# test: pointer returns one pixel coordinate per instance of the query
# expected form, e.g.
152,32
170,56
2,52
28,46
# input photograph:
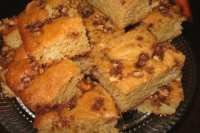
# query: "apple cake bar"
132,67
124,12
54,86
52,30
165,101
165,22
94,111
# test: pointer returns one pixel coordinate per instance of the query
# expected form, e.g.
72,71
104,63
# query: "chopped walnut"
161,96
61,11
103,23
72,103
98,104
138,74
164,91
35,27
116,70
66,121
159,50
164,7
86,11
142,60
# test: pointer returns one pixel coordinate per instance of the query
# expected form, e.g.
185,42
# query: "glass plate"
15,117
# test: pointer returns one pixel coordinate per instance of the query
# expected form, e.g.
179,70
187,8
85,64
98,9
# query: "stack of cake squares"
79,64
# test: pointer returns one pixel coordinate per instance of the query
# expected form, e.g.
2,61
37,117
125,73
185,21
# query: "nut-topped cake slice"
99,26
165,22
93,111
52,30
124,12
20,71
132,67
54,86
165,101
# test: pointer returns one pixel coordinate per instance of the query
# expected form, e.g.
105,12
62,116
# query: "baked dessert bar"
165,101
165,22
124,12
93,112
132,67
54,86
20,71
47,36
98,25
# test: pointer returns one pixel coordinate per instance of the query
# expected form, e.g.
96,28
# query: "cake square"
165,22
54,86
94,111
98,25
53,32
165,101
132,67
20,71
123,12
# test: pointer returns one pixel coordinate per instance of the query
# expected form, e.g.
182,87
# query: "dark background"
191,121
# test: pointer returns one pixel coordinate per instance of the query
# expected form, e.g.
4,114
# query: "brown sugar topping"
142,60
98,104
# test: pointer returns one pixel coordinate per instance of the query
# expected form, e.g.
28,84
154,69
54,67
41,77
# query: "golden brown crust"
19,69
53,31
93,106
47,87
133,63
50,34
123,12
165,101
165,23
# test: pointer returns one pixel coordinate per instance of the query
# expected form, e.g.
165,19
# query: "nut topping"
116,69
98,104
143,58
138,74
159,51
86,11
